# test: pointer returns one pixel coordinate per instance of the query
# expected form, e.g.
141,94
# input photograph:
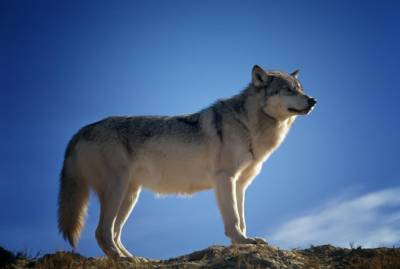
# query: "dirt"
243,256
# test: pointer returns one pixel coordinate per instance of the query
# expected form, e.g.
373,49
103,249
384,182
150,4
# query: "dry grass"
244,256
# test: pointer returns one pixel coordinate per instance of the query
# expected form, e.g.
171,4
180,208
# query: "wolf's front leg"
226,197
240,196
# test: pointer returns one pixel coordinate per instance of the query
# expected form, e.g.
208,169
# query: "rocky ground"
244,256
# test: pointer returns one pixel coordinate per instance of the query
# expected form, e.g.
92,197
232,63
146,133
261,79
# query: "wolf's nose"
311,102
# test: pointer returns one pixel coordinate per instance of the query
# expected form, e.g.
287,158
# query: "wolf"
221,147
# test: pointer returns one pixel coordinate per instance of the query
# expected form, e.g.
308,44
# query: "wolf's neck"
269,134
265,132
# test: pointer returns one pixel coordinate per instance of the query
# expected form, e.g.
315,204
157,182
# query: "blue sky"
64,65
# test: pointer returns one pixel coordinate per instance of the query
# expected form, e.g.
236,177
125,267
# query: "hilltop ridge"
241,256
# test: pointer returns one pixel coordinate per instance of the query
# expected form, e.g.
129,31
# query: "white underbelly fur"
182,169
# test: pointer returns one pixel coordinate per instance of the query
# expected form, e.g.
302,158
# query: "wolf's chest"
270,139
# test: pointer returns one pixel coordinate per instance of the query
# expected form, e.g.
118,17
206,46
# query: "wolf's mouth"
300,111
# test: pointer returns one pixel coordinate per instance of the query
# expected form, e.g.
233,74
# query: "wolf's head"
282,94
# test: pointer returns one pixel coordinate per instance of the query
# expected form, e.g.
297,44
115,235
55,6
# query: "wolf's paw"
260,241
251,240
135,259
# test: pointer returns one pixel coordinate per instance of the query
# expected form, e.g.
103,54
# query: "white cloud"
370,220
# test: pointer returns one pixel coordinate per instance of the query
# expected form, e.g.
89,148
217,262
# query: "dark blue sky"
64,65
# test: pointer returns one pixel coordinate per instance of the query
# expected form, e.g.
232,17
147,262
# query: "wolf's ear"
259,76
295,73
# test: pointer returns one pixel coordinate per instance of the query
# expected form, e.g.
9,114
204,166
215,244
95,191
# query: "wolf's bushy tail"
72,204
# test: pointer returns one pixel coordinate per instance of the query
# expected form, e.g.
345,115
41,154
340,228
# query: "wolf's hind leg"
125,210
110,201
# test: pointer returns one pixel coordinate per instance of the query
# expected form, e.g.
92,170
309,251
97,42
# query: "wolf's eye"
288,91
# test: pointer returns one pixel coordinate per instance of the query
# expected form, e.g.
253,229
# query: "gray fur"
222,146
132,131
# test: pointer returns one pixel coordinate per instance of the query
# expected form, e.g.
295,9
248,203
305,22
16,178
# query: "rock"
236,256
